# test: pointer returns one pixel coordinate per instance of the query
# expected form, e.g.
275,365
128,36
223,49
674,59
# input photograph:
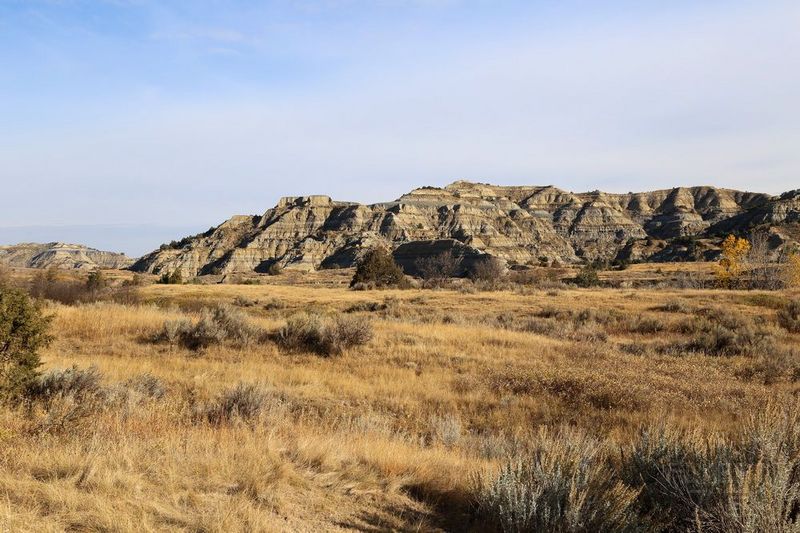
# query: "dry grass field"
396,433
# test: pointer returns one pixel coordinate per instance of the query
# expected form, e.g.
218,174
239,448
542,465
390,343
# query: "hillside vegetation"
319,408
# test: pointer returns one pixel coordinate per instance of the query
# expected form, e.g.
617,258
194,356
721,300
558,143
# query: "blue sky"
159,117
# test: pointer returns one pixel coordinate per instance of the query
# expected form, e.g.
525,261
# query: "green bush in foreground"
23,331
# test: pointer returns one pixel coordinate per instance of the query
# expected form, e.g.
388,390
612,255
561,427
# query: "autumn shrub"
718,332
244,301
446,430
731,266
70,399
377,269
719,340
79,384
23,331
49,285
147,385
274,304
323,335
216,326
673,306
368,307
64,288
244,402
773,366
438,268
541,278
789,316
487,269
791,272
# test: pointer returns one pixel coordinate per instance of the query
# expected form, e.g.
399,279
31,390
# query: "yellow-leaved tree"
792,271
731,265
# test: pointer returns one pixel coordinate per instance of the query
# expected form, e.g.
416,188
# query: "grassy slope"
386,436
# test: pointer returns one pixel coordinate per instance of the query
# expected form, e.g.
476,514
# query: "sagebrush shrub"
147,385
80,384
322,335
789,316
564,485
446,429
673,306
749,483
222,324
719,333
678,475
245,401
70,398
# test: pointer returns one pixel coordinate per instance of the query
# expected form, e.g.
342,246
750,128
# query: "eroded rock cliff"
519,224
60,255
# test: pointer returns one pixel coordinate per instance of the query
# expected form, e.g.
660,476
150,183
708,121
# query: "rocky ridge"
60,255
519,224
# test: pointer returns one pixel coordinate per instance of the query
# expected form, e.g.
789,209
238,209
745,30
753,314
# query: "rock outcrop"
60,255
520,224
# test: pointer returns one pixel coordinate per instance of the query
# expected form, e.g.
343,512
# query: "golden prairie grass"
389,435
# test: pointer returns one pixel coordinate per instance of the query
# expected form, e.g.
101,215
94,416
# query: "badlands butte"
518,224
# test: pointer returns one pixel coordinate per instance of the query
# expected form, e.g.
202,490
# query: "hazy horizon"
151,115
137,239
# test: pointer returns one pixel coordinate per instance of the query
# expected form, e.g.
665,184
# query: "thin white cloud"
707,97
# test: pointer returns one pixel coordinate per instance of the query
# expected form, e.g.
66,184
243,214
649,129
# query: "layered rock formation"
60,255
519,224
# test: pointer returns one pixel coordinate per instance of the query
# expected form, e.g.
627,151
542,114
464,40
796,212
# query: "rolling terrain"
140,432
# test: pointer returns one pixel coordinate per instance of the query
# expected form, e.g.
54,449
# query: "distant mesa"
518,224
60,255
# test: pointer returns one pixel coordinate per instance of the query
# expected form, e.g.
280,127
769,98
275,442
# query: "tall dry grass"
392,433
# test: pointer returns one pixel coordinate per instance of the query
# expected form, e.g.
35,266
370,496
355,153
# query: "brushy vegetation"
377,269
243,402
789,316
23,332
587,277
438,268
516,410
719,333
564,484
488,269
69,382
62,287
323,335
667,480
222,324
171,278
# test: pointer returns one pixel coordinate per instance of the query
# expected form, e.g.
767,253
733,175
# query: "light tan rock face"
60,255
519,224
